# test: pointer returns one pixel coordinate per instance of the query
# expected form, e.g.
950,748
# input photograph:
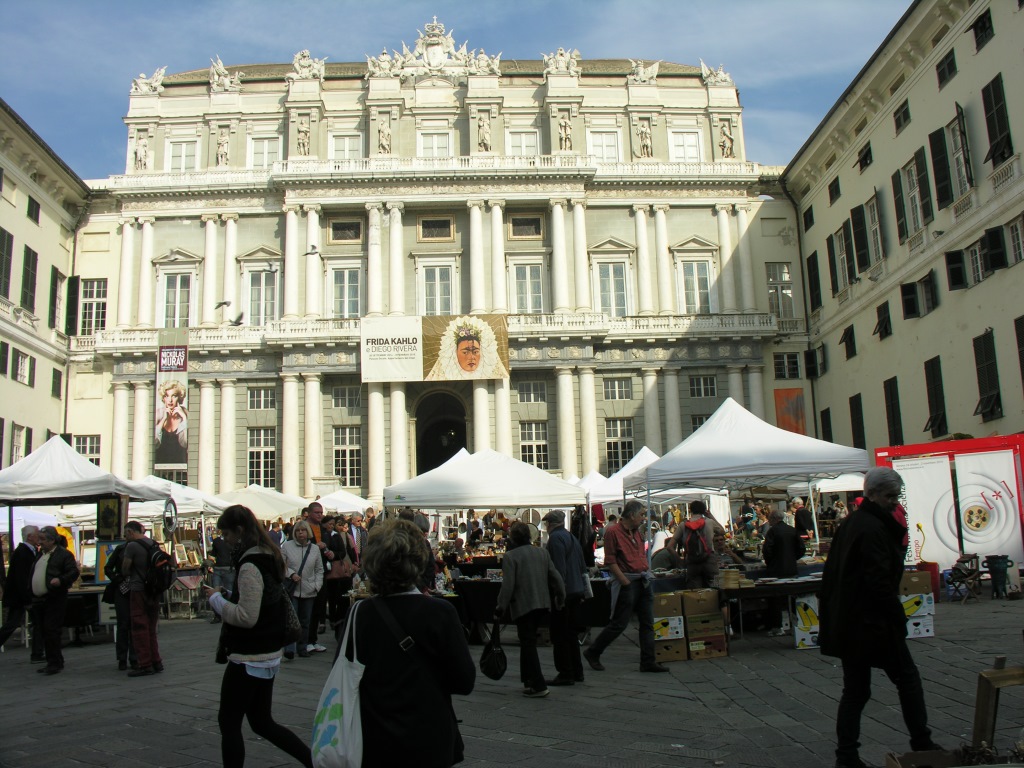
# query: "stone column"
209,292
588,422
502,416
559,268
124,280
375,441
499,287
228,438
666,303
396,268
673,419
207,439
291,264
314,264
746,259
755,386
289,441
399,453
119,430
142,433
643,262
725,277
580,259
652,411
374,266
230,286
313,423
477,297
566,423
481,416
736,383
147,280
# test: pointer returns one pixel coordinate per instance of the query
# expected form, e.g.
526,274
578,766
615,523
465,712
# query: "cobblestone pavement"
765,705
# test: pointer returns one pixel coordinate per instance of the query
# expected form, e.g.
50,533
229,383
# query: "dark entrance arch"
440,430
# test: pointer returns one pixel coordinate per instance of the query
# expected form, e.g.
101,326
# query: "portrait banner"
391,349
170,432
466,347
989,504
789,410
927,496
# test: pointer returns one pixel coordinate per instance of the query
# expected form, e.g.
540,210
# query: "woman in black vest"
252,638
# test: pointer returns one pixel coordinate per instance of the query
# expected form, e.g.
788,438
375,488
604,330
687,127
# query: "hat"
556,516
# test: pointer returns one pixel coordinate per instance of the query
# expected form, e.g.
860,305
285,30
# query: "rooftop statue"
154,84
306,68
714,77
434,54
562,61
221,80
638,73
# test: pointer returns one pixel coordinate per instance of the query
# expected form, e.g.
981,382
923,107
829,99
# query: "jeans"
857,691
48,620
529,662
304,609
145,614
242,695
123,646
636,598
565,625
224,577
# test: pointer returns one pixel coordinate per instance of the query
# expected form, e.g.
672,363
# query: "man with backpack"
694,540
136,567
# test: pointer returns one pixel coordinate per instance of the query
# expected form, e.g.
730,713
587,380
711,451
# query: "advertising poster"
391,349
170,433
989,504
931,510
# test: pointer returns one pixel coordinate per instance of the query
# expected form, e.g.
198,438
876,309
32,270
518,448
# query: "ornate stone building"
606,207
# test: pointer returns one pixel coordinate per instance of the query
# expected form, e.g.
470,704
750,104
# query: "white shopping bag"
337,727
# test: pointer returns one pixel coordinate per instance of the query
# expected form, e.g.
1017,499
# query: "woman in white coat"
304,577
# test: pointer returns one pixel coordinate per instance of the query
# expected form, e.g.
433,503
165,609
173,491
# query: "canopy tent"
191,503
486,479
589,481
265,503
852,481
612,489
343,501
24,516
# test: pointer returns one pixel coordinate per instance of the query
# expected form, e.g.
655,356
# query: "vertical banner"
170,433
789,410
989,504
931,509
391,348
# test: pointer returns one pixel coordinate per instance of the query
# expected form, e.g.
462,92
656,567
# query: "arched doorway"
440,430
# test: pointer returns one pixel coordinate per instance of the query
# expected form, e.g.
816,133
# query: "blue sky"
66,66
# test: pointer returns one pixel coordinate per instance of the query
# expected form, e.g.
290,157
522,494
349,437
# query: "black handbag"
493,662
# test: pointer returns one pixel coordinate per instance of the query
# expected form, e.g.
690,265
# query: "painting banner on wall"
170,433
986,484
789,410
927,497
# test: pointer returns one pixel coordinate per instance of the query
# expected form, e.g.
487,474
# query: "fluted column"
375,441
229,289
289,441
396,267
643,262
313,422
399,453
499,287
566,423
147,280
119,430
477,297
725,277
228,438
481,416
207,439
666,304
142,432
210,265
652,410
588,422
559,268
291,262
125,289
746,259
374,266
673,419
736,383
502,416
314,265
580,261
755,385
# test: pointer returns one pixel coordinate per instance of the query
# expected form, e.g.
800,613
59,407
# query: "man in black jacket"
782,547
53,573
18,590
862,620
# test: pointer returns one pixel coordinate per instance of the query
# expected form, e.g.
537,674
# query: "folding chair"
965,577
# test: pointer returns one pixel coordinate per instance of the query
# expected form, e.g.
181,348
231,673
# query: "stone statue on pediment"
221,80
639,73
306,68
727,142
714,77
434,54
143,85
383,65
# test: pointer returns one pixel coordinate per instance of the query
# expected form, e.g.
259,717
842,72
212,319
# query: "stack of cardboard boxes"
689,625
918,604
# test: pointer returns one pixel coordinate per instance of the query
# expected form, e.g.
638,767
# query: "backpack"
695,547
161,572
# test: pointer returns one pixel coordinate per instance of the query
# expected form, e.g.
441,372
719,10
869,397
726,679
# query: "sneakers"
533,693
594,660
315,648
653,667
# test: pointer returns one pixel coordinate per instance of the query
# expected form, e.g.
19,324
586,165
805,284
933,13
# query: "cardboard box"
920,626
708,647
915,583
708,625
669,628
668,604
805,638
670,650
699,602
939,758
918,605
805,622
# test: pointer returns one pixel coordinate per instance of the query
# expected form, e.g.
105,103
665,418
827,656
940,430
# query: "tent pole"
10,534
814,518
650,536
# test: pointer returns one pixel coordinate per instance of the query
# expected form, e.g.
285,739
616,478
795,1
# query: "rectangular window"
901,117
685,147
179,476
345,292
435,144
864,158
346,230
961,178
265,152
18,451
262,398
29,270
849,340
936,423
696,422
703,386
780,289
6,262
815,362
529,227
833,190
874,230
604,146
956,270
182,156
814,281
808,218
990,404
618,443
893,419
883,326
348,146
696,287
528,280
93,306
262,456
826,425
348,456
843,260
177,299
57,384
618,389
1018,329
611,280
787,365
997,120
33,209
974,264
437,290
983,30
436,229
912,190
532,392
89,447
857,422
262,297
349,397
23,368
57,281
1016,240
522,143
946,68
533,443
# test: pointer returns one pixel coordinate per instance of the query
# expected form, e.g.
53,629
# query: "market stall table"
788,588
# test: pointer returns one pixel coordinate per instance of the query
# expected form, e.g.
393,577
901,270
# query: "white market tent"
191,503
612,490
852,481
345,502
265,503
589,481
24,516
486,479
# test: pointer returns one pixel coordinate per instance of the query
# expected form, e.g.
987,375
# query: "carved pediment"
695,243
612,245
261,253
433,54
178,256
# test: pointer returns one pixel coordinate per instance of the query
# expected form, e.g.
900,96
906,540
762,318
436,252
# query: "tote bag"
493,662
337,727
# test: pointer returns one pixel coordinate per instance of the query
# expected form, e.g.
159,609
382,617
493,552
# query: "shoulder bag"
338,727
492,661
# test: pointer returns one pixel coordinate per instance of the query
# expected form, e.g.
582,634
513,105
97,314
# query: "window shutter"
813,281
997,121
833,274
993,250
811,363
31,371
940,168
901,212
860,237
956,271
5,356
851,267
28,440
911,305
931,288
71,315
961,125
923,190
52,318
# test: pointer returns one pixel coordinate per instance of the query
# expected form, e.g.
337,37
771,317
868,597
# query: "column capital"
558,202
207,383
745,207
312,375
496,203
731,369
147,220
755,366
649,371
290,208
289,376
137,385
578,202
227,381
475,204
374,206
661,207
394,205
563,370
641,209
229,216
122,386
312,208
721,208
127,222
208,218
582,369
